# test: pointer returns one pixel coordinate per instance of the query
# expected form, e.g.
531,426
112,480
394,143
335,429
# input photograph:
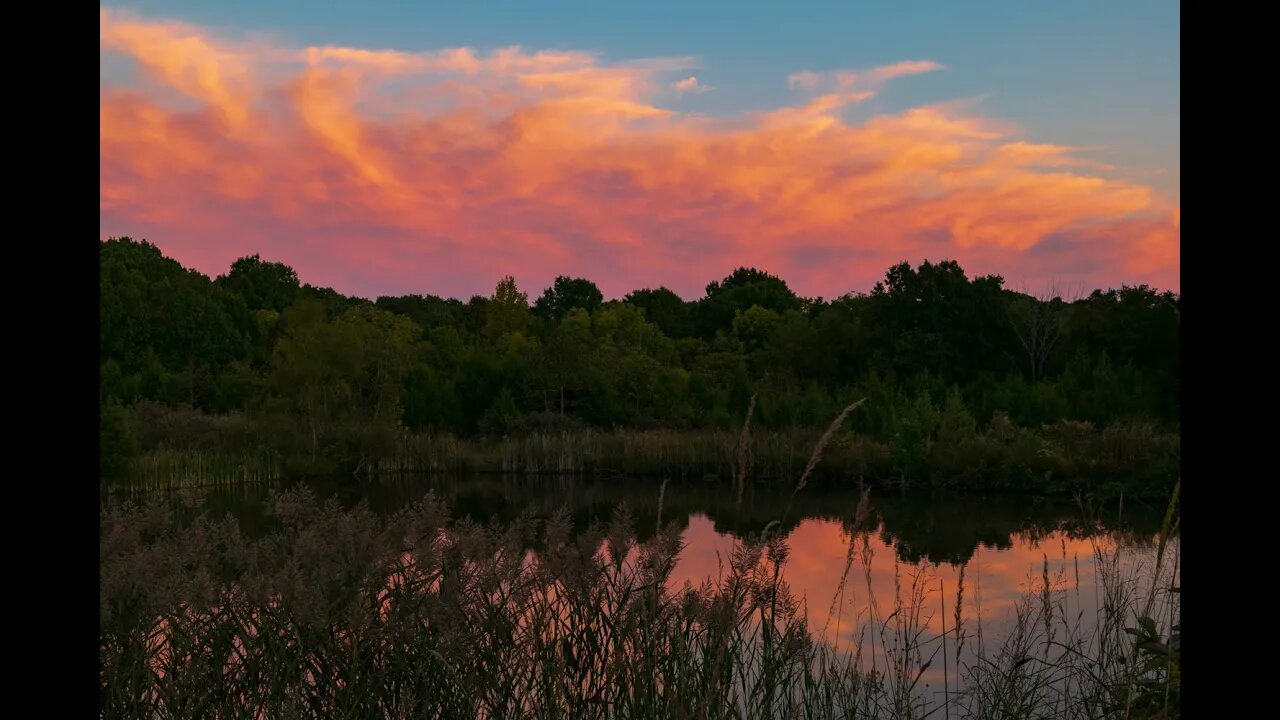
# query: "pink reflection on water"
849,587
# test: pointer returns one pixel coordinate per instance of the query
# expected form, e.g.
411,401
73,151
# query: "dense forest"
965,380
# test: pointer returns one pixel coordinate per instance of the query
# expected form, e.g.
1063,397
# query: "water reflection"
916,528
850,584
892,576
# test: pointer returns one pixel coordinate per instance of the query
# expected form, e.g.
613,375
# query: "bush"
116,442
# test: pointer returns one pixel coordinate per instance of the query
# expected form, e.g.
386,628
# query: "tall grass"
334,617
688,454
341,613
166,468
337,613
1002,458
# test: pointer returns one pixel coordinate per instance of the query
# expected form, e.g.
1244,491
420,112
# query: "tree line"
334,375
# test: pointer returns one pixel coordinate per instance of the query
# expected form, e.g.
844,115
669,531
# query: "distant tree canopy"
262,285
665,309
745,288
926,341
566,294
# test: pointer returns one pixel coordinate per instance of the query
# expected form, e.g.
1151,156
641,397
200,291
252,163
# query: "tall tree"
933,318
1038,323
561,370
507,310
165,330
738,292
263,285
345,374
665,309
565,294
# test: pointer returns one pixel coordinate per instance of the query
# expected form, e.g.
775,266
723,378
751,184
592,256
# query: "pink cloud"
473,165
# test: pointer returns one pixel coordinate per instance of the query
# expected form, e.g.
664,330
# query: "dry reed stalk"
662,492
860,515
744,452
958,625
822,443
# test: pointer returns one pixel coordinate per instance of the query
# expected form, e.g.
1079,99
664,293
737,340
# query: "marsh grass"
167,468
742,455
332,616
1003,457
338,613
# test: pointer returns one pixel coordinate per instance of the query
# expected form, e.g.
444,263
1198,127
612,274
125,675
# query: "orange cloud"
380,171
184,60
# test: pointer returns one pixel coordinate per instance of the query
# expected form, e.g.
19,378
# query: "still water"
960,566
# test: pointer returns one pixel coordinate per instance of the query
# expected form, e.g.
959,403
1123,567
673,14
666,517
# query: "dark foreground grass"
342,614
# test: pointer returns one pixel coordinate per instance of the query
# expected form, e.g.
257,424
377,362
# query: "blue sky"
384,147
1085,73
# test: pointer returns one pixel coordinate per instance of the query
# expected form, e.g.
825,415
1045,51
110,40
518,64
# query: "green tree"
344,378
664,308
566,294
738,292
508,310
167,330
336,377
429,312
116,443
561,371
935,318
753,326
263,285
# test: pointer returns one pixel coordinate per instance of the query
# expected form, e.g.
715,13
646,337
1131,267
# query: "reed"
340,613
170,468
1054,459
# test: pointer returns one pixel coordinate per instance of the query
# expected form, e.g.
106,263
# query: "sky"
385,148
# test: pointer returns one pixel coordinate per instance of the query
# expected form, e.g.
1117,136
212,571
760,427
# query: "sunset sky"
389,148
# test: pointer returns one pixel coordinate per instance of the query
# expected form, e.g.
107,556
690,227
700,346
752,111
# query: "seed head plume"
822,443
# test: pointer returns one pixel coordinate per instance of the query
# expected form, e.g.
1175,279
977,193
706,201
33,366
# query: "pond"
922,585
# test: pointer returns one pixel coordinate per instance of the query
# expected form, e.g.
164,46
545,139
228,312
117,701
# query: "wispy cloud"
393,171
689,85
870,80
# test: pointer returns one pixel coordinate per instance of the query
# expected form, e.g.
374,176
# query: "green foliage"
938,318
1157,672
567,294
754,326
560,374
738,292
429,312
165,331
665,309
263,285
116,444
940,357
343,380
508,309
